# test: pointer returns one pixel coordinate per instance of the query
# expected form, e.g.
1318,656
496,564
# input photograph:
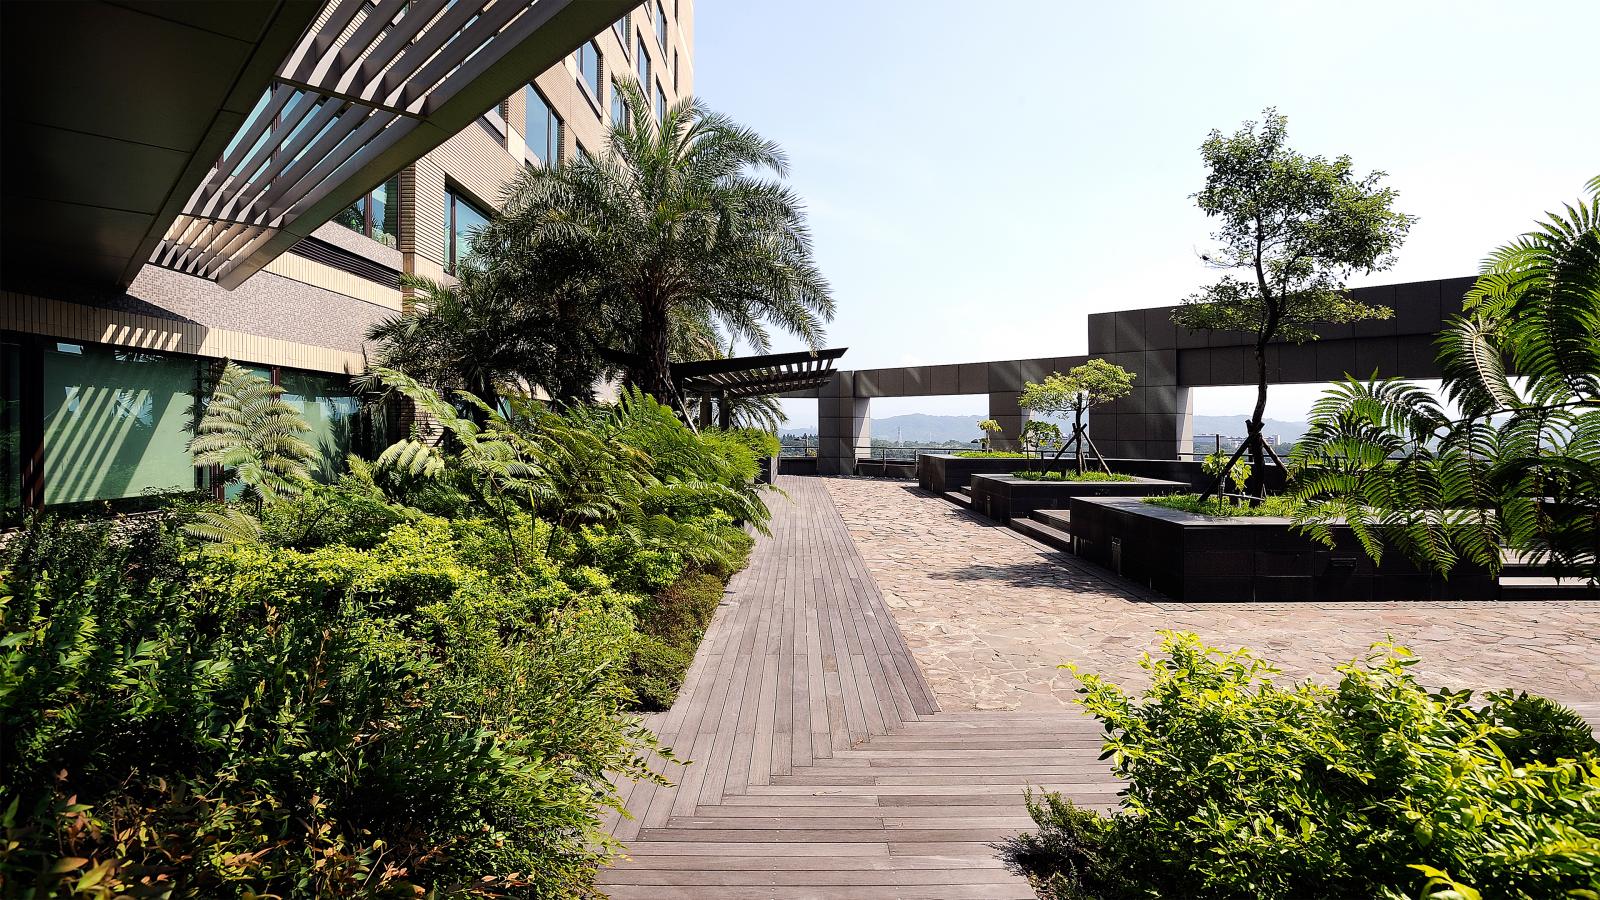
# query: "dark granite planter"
943,472
1006,497
1198,559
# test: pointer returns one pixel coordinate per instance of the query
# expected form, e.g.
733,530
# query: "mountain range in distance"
919,428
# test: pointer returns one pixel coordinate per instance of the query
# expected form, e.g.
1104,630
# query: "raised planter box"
942,472
1006,497
1196,559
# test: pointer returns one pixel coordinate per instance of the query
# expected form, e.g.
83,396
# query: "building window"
589,68
544,128
377,215
676,88
462,219
661,104
583,152
328,406
117,423
621,28
643,64
661,23
619,109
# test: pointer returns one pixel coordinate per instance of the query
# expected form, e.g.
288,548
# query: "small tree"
1298,227
1084,387
1040,435
989,427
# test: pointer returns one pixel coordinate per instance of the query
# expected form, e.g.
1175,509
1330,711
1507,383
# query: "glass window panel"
467,219
353,217
330,409
619,110
589,67
644,68
116,423
385,209
661,23
544,128
661,104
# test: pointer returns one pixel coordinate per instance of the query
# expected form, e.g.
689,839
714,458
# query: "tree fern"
254,436
1518,467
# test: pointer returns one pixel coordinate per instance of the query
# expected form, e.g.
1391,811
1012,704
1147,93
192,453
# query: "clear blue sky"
980,176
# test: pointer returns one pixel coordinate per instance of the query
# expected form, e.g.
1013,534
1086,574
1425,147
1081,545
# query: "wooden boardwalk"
821,766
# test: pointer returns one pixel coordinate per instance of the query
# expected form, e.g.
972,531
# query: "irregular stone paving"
990,615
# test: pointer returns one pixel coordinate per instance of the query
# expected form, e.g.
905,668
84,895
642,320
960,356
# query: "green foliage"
1084,387
1038,434
1298,227
332,722
415,681
1072,476
991,454
989,428
1241,787
1216,461
253,436
1518,465
1284,506
666,242
671,624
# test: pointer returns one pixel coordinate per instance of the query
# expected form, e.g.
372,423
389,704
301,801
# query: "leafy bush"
1238,787
992,454
331,722
1216,462
416,680
671,624
1282,506
1072,476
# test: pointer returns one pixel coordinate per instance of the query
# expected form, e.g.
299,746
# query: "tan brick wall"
79,323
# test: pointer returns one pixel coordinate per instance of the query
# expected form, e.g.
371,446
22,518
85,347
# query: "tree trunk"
1077,433
1257,487
655,378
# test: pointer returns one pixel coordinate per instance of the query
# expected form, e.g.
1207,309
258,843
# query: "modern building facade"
324,173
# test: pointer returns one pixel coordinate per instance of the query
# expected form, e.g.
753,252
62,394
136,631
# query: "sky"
981,176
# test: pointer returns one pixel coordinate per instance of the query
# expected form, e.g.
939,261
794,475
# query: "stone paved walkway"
989,616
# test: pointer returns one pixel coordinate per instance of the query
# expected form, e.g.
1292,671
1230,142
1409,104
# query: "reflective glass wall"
109,423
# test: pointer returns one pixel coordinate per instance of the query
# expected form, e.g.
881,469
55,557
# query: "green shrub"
1282,506
671,624
1071,476
992,454
332,722
1238,787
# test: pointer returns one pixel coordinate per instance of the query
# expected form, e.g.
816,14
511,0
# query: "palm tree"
677,227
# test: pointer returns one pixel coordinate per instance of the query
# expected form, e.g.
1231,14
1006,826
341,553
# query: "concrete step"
1516,587
958,498
1059,519
1048,535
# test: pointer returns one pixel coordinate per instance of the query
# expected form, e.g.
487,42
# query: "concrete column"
1003,408
844,426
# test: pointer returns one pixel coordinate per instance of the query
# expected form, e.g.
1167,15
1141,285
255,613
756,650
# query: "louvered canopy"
746,376
369,88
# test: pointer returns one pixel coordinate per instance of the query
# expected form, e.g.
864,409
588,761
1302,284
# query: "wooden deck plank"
819,762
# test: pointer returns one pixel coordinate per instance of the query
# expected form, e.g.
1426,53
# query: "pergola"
723,380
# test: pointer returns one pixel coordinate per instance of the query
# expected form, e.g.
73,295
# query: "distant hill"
912,428
920,428
1233,426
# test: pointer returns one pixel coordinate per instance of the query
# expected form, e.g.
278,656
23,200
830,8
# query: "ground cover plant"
1240,786
1033,475
992,454
1284,506
412,681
